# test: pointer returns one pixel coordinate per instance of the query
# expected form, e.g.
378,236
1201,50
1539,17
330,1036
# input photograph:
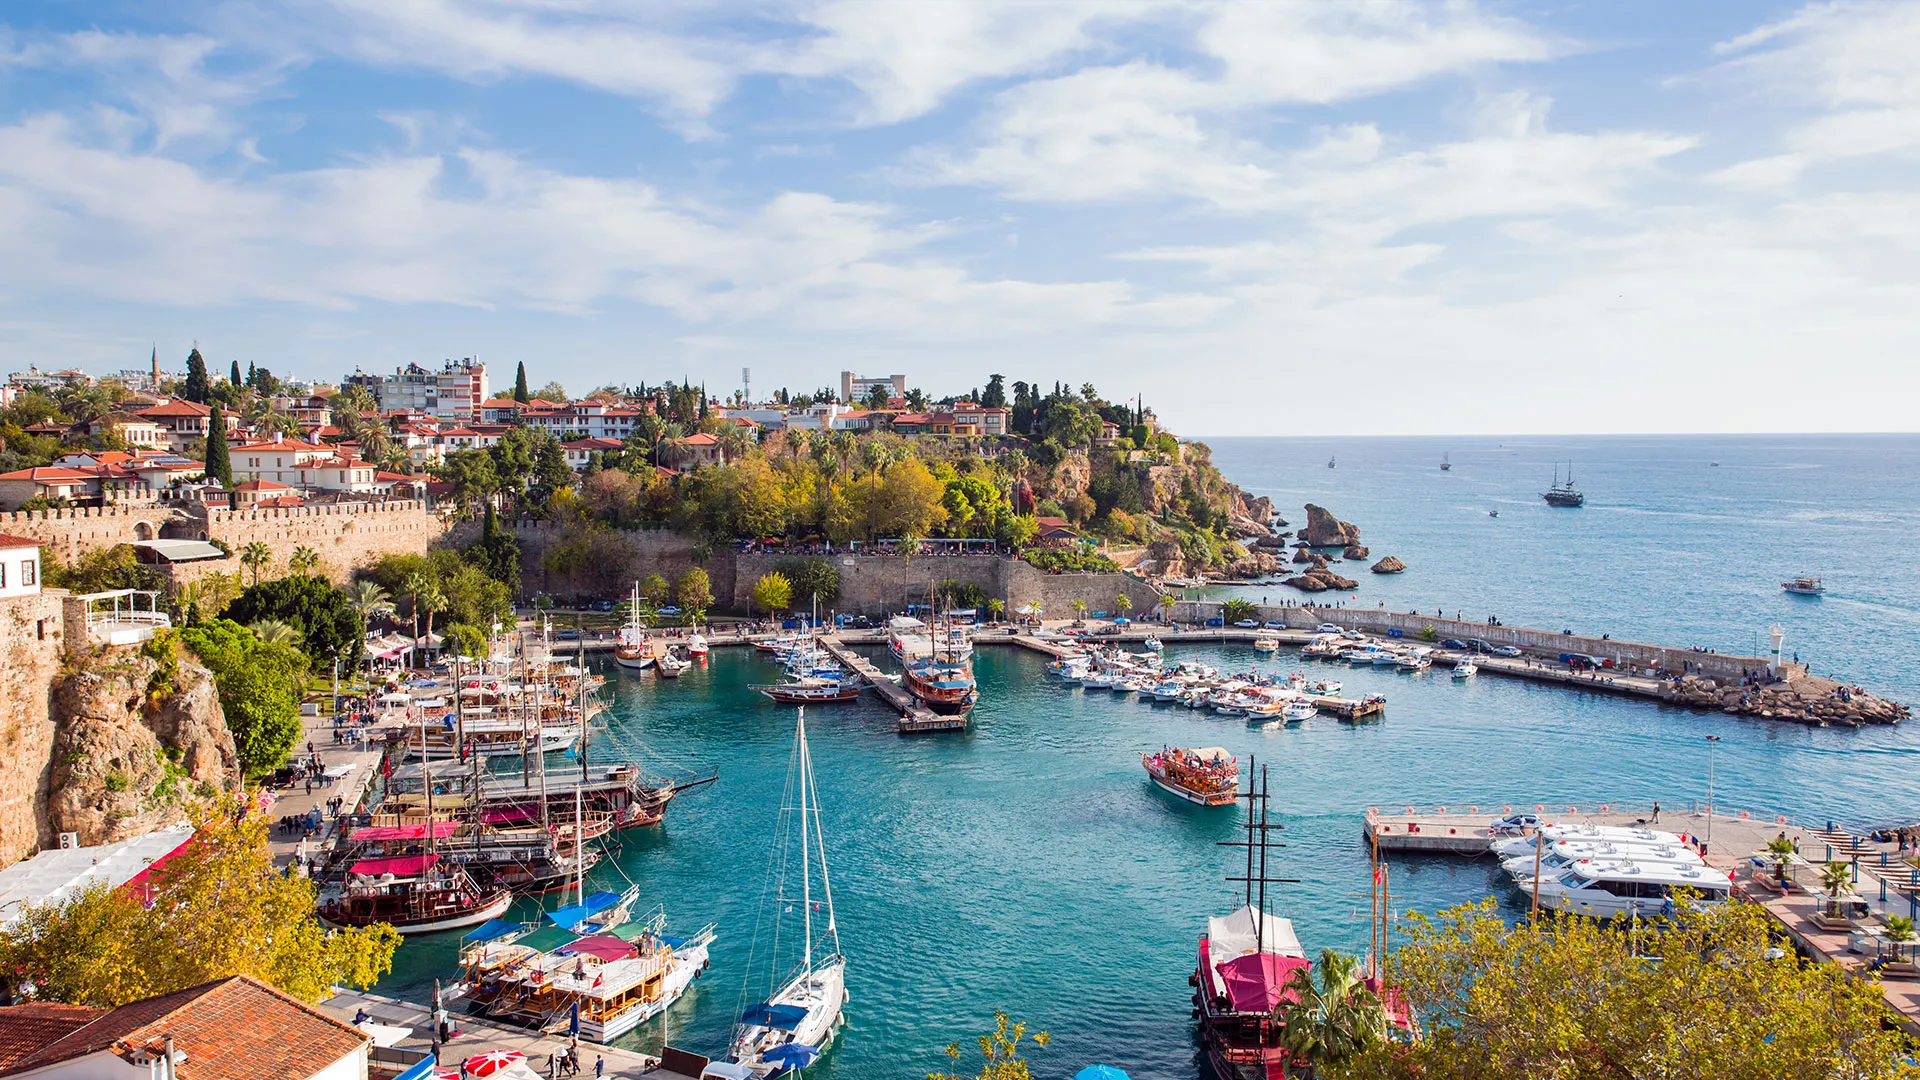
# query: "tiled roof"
26,1028
261,485
9,541
49,473
176,408
283,444
702,439
593,444
231,1029
278,500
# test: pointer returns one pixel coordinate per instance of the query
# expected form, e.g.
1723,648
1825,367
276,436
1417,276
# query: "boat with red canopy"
416,894
1207,777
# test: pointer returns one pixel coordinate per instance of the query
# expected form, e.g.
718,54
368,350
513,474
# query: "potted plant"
1899,931
1781,849
1836,880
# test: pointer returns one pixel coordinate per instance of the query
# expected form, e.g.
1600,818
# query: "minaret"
156,365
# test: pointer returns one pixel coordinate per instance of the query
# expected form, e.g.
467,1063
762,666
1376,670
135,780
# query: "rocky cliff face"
1325,530
134,742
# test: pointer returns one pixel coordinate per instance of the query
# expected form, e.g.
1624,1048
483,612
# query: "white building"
854,388
454,393
19,566
302,465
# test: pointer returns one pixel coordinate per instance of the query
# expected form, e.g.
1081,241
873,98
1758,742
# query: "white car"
1506,650
1326,628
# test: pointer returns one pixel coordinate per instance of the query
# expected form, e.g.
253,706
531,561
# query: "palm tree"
255,557
275,631
995,606
304,560
1334,1021
1123,604
1835,878
413,585
433,600
368,597
1079,610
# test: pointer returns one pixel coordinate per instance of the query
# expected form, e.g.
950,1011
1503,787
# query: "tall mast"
806,873
820,842
579,850
583,698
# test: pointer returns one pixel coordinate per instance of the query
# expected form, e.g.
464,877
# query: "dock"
1466,831
915,718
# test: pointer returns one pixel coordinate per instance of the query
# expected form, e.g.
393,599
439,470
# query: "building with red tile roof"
25,1029
235,1028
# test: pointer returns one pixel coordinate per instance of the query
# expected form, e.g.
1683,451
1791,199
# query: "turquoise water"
1028,865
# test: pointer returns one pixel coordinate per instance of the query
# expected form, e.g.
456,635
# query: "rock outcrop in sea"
1804,699
1321,579
1325,530
1355,552
1388,565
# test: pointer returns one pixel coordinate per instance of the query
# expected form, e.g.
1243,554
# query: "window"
3,575
28,572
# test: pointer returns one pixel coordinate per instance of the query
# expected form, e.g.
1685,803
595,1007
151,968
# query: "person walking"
1656,813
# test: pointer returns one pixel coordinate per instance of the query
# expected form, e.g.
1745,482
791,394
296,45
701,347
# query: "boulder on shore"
1389,565
1303,555
1320,579
1354,552
1325,530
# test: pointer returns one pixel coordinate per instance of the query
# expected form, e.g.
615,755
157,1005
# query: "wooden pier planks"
914,717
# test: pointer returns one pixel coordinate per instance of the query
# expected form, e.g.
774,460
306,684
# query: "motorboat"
1300,710
1804,586
1564,853
1604,889
697,645
1464,670
1418,660
1267,642
669,666
1153,644
1323,688
1509,846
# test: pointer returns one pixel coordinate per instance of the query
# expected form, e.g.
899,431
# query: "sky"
1261,218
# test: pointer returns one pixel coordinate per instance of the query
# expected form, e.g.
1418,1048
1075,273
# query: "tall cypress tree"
520,385
196,387
233,377
253,375
219,464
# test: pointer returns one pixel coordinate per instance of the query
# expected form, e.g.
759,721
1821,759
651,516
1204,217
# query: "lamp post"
1711,741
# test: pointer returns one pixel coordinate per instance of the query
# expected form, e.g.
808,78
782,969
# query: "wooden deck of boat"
914,717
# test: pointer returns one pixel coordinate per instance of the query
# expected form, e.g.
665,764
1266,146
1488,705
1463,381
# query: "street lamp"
1711,741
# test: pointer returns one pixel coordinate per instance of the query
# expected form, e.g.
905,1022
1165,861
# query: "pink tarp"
508,815
1257,982
397,865
603,947
378,833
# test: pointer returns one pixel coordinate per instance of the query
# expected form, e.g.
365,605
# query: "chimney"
276,438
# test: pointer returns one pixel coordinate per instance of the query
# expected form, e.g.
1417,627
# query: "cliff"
135,740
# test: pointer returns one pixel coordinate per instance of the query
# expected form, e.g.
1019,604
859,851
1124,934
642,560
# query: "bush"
810,578
260,684
1072,562
1238,610
328,624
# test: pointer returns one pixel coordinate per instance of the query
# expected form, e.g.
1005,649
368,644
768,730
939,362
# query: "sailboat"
1563,493
1329,462
796,1023
631,646
1445,464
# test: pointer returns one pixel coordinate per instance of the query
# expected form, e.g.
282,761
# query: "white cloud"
166,80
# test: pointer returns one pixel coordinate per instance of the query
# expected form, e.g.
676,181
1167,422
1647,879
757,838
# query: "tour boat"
1804,586
1563,493
1621,887
811,691
1298,711
670,666
414,894
1464,670
908,639
945,686
632,648
1208,777
439,738
1153,644
696,644
1445,464
790,1028
1267,642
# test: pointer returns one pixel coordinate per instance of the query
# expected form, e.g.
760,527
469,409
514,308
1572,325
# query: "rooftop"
53,875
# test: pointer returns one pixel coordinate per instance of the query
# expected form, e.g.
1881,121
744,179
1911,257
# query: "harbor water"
1028,865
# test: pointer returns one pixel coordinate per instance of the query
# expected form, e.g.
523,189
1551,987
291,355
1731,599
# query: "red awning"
377,833
1257,982
603,947
397,865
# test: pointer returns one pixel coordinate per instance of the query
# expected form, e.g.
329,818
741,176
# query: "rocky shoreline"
1804,699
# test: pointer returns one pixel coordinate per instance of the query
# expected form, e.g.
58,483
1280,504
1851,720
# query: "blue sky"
1267,218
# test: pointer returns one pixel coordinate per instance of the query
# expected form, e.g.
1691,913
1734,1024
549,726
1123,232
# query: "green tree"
813,579
773,592
367,597
1237,610
1331,1022
256,556
219,462
260,683
655,592
465,639
233,377
694,593
999,1053
304,560
996,607
520,384
275,632
325,617
196,387
497,552
220,907
472,474
995,395
1577,998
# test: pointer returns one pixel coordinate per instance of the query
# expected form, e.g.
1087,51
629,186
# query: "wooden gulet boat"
632,648
1208,777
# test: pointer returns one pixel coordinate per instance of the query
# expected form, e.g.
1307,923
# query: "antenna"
746,385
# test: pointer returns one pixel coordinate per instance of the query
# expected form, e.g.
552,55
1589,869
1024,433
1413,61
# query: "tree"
233,377
996,607
367,597
260,683
256,556
1237,610
195,389
497,552
1123,603
472,474
553,392
465,639
325,617
813,579
218,908
999,1052
304,560
773,591
520,384
1079,609
877,397
995,395
275,632
695,592
1577,998
655,591
219,462
1334,1021
909,501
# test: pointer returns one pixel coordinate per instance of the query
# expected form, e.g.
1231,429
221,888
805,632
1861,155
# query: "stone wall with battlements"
32,638
875,584
347,535
70,533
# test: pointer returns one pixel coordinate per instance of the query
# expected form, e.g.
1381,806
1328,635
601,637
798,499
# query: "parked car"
1478,645
1452,643
1248,624
604,605
1274,624
1327,628
1353,635
1515,824
1107,631
1507,650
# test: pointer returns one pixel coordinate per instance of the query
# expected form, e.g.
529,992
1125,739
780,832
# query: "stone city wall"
877,584
72,532
1546,643
347,535
32,637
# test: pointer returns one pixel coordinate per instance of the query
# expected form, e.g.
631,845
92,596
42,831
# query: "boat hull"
634,660
1197,798
492,909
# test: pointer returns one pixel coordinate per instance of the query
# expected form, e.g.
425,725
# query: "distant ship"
1563,493
1804,586
1329,463
1445,465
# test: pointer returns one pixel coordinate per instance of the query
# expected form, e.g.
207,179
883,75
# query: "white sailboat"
631,646
793,1025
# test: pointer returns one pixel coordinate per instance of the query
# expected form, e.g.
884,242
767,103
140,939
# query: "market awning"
389,833
397,865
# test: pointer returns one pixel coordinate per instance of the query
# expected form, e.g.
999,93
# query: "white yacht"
1266,642
1507,847
1604,889
1464,670
797,1022
1416,660
1299,710
1567,852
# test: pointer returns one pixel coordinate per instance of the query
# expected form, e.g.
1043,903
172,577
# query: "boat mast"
820,842
583,697
806,875
579,851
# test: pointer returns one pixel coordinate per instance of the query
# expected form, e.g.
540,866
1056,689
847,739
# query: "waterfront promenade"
474,1035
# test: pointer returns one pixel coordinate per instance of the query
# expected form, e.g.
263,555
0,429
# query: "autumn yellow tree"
1704,994
909,505
218,908
773,591
999,1052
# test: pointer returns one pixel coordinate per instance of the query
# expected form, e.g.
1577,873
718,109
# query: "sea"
1027,866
